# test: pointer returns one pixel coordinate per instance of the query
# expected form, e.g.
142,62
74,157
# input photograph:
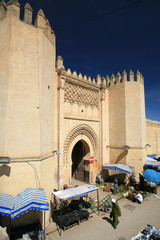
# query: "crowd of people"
138,198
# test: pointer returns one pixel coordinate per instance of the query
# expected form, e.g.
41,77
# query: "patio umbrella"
151,176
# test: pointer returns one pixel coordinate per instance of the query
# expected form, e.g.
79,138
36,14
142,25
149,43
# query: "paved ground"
134,218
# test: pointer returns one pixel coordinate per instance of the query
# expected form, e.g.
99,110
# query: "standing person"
141,179
127,181
116,211
133,178
99,178
115,185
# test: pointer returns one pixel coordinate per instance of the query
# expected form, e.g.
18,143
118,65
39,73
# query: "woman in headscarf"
116,212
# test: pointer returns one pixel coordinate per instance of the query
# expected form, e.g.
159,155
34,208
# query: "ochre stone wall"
153,137
4,75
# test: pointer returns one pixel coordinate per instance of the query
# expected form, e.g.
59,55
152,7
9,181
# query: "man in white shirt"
138,198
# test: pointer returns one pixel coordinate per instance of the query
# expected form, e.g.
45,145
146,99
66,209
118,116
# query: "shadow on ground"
108,220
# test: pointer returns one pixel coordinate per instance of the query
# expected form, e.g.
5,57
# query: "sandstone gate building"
45,108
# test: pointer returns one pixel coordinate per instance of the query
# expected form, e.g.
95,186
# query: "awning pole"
61,219
44,226
98,201
9,230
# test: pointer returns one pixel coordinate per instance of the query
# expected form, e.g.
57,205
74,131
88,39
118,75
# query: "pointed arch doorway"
87,136
80,163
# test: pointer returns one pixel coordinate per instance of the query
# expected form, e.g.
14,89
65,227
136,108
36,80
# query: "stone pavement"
134,218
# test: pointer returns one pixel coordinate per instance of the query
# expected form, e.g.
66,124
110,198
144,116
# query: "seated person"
99,178
138,198
153,187
83,204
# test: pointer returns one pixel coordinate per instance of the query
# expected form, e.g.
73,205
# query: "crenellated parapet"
137,77
13,8
102,82
78,76
152,123
98,81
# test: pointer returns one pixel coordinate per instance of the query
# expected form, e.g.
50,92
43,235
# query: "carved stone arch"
82,129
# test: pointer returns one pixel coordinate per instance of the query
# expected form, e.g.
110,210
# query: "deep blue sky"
129,39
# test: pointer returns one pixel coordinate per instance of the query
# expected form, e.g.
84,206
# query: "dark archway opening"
78,162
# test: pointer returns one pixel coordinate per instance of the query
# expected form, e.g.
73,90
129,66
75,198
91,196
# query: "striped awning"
6,204
153,164
119,167
32,198
74,192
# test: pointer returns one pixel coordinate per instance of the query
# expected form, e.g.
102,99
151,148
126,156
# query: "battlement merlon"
42,22
12,8
27,14
3,9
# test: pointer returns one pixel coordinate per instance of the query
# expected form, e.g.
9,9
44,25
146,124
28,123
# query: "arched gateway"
79,146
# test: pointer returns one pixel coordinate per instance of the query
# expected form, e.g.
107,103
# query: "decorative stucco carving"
80,95
62,80
82,129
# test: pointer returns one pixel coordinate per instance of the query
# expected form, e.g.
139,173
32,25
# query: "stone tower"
27,80
127,120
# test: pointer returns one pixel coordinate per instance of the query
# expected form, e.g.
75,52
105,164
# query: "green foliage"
105,183
121,189
93,205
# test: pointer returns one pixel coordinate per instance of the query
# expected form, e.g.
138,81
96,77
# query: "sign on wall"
91,159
